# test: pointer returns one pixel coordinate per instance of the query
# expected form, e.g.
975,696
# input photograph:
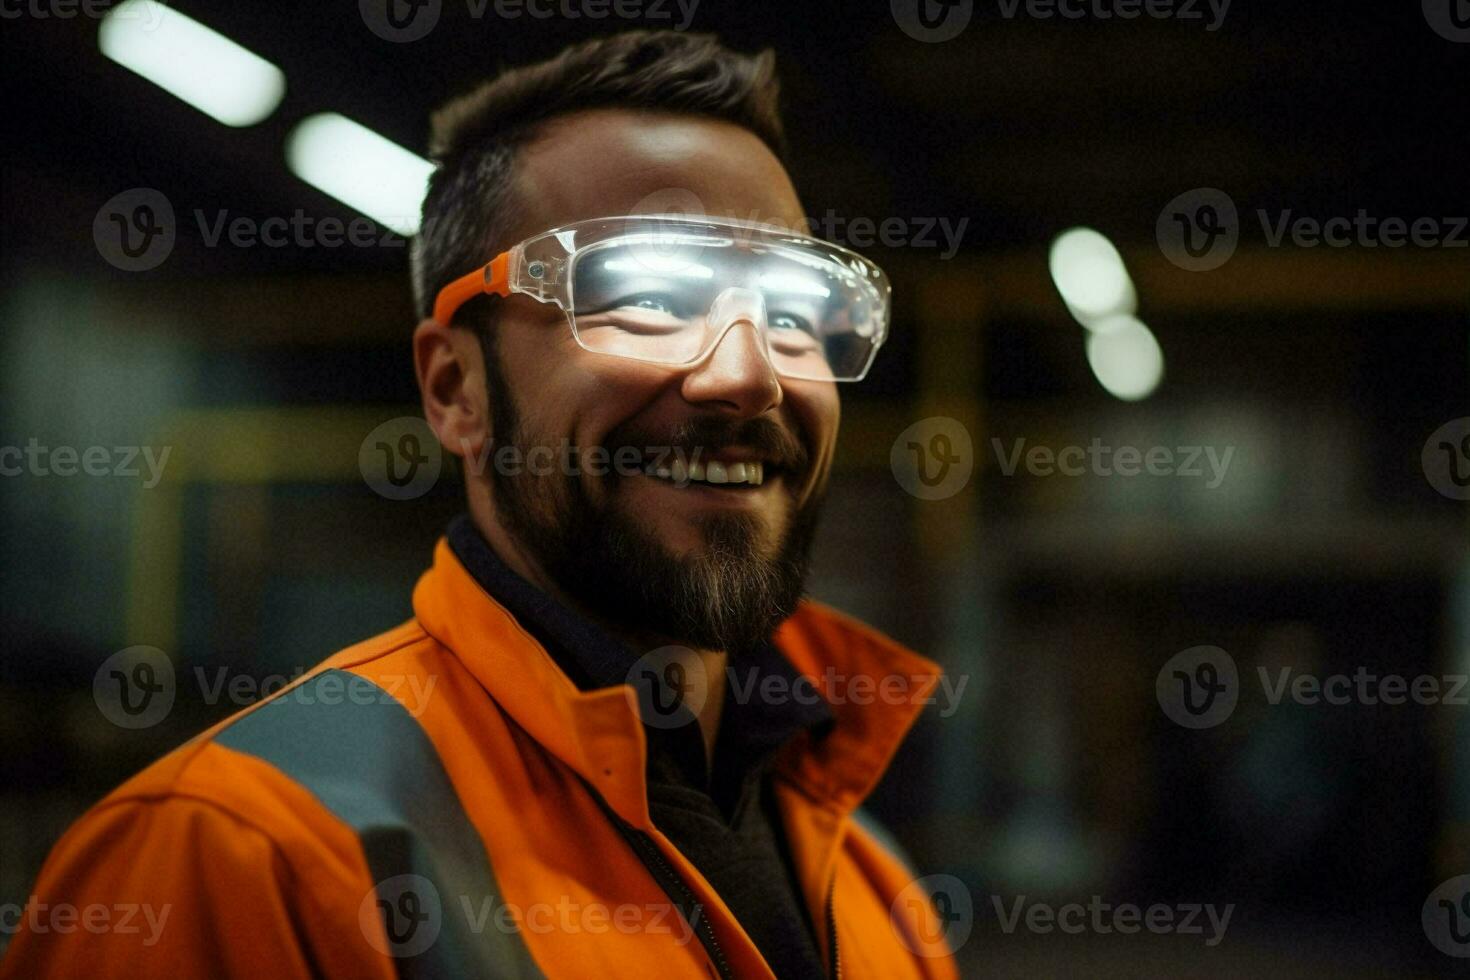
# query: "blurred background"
1328,382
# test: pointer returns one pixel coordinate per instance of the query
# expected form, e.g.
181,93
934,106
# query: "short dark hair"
475,137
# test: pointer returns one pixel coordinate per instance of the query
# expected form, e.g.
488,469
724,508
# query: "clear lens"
653,296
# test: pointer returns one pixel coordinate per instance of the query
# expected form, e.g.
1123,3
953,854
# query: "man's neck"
705,668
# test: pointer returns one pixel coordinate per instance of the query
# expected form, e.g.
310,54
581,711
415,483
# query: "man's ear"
451,375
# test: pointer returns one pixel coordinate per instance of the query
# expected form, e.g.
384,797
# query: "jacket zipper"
674,886
832,930
669,880
676,889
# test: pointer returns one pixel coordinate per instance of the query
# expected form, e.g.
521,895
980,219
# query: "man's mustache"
709,435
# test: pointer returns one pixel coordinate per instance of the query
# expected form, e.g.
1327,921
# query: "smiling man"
607,744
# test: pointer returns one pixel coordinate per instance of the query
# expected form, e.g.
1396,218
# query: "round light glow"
1089,273
1125,357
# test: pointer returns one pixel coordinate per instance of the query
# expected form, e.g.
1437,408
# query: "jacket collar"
875,689
585,652
751,728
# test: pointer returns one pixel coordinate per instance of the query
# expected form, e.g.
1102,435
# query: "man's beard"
726,596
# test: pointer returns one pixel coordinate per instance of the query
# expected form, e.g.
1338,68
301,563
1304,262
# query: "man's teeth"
753,474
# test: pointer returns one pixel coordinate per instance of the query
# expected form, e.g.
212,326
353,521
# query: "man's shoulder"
229,769
246,838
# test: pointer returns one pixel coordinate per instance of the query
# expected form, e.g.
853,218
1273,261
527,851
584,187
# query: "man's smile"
684,484
713,472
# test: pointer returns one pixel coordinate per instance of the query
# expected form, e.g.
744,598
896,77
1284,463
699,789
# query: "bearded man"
607,743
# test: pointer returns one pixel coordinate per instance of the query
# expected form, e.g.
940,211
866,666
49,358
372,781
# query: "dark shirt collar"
750,730
583,650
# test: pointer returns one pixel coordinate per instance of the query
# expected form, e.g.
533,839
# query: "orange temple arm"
492,278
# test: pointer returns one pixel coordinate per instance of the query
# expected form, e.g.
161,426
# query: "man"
592,751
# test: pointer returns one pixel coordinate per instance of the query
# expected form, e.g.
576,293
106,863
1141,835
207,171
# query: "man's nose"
737,375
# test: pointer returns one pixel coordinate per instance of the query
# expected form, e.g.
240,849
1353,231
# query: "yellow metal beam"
237,446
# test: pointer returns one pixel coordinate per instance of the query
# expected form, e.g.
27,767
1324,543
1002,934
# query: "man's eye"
789,322
656,302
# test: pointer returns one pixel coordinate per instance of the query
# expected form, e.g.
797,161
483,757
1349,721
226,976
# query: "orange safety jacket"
442,800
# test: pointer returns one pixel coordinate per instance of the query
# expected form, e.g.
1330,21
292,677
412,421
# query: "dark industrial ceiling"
1022,125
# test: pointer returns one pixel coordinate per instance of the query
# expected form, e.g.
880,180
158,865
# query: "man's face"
710,565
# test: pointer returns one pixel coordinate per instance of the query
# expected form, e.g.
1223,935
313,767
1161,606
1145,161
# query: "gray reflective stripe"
361,753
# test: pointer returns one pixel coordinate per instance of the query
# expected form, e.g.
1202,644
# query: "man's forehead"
618,161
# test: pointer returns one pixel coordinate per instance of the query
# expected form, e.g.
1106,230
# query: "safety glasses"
665,289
